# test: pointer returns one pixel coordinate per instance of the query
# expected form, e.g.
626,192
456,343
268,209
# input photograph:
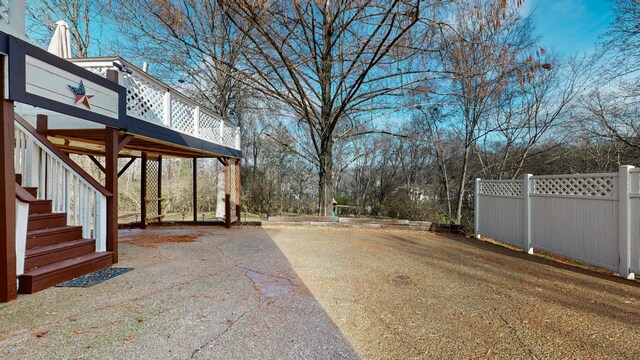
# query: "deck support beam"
143,191
97,163
238,191
195,189
227,192
126,166
111,184
8,277
111,149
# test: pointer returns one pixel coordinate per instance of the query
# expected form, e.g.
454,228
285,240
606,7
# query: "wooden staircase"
55,252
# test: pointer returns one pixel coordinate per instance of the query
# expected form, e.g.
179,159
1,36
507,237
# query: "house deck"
59,221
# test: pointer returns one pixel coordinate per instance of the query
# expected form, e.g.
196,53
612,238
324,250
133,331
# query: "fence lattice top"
599,186
501,187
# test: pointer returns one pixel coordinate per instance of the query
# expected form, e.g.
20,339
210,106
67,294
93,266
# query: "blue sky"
570,26
565,26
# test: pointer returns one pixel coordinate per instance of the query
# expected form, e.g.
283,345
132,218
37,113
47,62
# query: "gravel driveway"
309,293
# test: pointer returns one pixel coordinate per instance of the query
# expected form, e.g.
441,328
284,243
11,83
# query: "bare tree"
192,44
529,111
623,38
82,16
486,46
331,62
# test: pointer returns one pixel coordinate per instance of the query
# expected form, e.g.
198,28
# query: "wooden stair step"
53,235
40,207
48,275
43,221
31,190
49,254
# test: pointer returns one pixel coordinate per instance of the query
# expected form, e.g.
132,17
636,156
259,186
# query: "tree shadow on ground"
536,280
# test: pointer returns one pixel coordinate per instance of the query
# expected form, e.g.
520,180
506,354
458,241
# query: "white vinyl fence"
593,218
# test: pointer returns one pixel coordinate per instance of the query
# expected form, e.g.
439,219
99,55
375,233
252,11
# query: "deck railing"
151,100
57,180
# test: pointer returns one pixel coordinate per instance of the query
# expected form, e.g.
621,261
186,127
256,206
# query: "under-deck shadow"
194,293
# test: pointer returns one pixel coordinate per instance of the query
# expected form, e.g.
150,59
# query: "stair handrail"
23,195
55,151
70,188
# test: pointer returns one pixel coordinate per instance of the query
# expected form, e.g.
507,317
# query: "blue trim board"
144,128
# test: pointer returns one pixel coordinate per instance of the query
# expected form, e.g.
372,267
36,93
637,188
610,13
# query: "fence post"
476,226
624,222
526,196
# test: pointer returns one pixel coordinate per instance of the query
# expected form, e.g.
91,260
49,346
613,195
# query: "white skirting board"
22,217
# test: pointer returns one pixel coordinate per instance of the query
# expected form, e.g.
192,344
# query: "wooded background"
391,107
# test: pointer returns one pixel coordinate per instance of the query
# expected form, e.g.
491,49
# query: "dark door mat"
95,277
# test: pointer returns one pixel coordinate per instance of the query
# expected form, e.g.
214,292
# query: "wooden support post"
143,191
112,149
8,278
111,183
238,191
195,189
160,188
112,75
227,192
42,124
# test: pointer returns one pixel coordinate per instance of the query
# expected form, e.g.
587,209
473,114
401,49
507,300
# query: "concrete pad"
310,292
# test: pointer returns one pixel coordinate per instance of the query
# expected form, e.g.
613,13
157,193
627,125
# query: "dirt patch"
402,280
153,241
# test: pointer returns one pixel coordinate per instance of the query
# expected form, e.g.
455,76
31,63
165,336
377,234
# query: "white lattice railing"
151,100
57,181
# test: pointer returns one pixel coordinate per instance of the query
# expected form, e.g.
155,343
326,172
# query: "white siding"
46,80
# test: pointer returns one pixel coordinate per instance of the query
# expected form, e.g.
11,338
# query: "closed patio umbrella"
60,44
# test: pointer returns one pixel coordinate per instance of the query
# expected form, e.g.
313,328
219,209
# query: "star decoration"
81,95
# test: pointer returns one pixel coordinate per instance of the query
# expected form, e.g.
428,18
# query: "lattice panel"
182,117
144,99
232,179
601,186
229,136
5,11
98,70
502,188
209,127
152,189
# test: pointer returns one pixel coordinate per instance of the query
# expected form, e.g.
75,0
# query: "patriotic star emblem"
81,95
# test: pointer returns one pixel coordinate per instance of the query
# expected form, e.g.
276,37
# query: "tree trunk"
325,172
463,181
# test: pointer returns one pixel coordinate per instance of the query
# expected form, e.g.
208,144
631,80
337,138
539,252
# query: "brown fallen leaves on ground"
153,241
